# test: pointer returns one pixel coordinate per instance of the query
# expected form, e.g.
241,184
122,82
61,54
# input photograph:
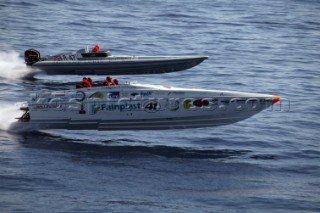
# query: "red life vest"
114,82
107,83
96,48
85,83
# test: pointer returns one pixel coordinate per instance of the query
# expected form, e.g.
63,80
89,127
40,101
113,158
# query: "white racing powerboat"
139,107
103,63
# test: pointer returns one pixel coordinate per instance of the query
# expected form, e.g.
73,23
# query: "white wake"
12,66
8,114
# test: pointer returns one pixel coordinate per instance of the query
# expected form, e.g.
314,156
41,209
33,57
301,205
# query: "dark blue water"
268,163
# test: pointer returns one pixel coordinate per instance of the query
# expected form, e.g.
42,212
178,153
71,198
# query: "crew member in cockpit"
108,81
85,82
115,82
90,81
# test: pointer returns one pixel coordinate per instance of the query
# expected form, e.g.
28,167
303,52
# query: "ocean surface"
268,163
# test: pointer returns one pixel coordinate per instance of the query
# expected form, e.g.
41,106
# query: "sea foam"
12,66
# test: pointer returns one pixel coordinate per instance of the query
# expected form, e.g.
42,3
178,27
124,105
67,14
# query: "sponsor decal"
146,93
187,104
54,105
176,93
173,105
59,95
151,106
95,108
79,96
114,95
115,107
125,94
52,100
97,95
201,103
227,101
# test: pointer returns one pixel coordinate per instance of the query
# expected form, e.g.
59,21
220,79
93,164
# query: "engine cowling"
31,56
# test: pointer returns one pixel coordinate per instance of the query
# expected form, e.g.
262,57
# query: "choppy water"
268,163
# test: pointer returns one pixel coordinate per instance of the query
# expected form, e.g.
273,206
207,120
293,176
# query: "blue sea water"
268,163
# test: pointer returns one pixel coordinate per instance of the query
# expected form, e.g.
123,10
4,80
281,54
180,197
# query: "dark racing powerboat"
101,62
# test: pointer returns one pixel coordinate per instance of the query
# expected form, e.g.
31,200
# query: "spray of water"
8,114
12,66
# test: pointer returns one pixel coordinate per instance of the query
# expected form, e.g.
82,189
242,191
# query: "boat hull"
139,107
118,66
138,124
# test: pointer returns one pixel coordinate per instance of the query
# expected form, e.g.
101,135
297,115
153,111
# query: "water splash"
13,67
8,114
